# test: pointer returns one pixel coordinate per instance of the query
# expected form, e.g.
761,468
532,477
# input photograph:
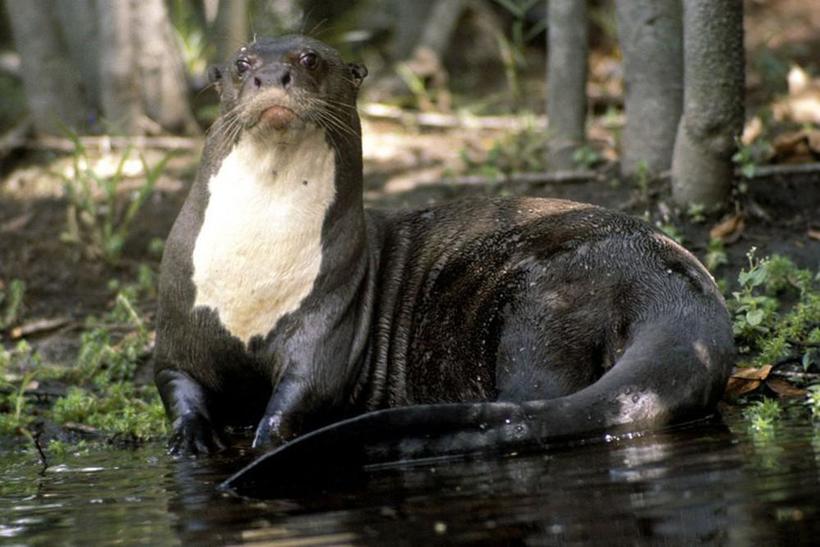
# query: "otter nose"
273,75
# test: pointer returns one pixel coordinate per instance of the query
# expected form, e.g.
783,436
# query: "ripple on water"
710,483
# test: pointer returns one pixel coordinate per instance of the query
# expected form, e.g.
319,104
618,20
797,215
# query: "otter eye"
242,65
308,60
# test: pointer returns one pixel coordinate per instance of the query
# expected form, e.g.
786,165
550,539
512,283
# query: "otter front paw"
193,434
273,431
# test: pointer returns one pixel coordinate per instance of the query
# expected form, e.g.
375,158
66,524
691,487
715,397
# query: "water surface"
714,483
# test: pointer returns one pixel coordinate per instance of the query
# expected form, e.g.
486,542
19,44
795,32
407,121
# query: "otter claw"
194,435
272,432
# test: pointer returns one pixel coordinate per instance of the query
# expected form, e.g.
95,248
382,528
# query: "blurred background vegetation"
491,53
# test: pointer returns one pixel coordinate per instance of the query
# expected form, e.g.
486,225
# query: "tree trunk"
566,79
119,81
162,78
713,102
411,18
231,27
79,27
651,38
440,26
52,86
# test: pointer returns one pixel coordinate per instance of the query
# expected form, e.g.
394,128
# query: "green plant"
190,34
121,409
749,156
695,212
11,302
586,157
764,325
103,393
512,48
671,230
61,450
101,227
643,178
517,152
18,368
421,95
762,415
813,401
715,254
14,405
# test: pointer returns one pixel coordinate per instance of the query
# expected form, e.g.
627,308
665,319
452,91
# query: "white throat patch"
258,252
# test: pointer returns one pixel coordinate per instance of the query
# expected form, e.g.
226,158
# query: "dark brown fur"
497,321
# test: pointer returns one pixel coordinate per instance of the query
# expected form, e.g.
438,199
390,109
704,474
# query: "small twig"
38,326
791,375
107,142
555,177
445,121
41,453
782,169
35,439
786,361
81,428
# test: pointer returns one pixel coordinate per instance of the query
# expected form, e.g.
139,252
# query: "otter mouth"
277,117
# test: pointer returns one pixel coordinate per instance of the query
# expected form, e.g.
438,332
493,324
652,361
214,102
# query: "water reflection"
711,484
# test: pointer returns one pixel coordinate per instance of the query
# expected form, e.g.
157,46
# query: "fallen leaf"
753,129
752,373
796,146
729,229
736,387
784,388
798,80
745,380
813,234
802,104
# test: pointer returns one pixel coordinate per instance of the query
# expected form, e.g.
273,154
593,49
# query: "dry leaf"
736,387
784,388
753,129
745,380
752,373
802,105
798,80
728,230
814,234
797,146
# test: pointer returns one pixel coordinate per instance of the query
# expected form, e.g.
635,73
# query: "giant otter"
286,305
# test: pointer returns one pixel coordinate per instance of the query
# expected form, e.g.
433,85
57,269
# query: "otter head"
274,86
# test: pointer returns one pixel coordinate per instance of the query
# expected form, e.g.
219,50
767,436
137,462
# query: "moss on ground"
104,397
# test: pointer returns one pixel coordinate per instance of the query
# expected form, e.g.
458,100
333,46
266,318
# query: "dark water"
711,484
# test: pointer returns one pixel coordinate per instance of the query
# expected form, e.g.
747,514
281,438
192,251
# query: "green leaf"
754,317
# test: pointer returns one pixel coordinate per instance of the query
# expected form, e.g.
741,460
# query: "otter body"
285,305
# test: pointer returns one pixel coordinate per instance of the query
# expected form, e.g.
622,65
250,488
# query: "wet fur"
494,322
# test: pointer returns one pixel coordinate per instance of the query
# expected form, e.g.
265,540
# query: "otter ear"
358,71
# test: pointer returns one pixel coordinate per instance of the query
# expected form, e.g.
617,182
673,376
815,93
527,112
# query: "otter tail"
668,374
